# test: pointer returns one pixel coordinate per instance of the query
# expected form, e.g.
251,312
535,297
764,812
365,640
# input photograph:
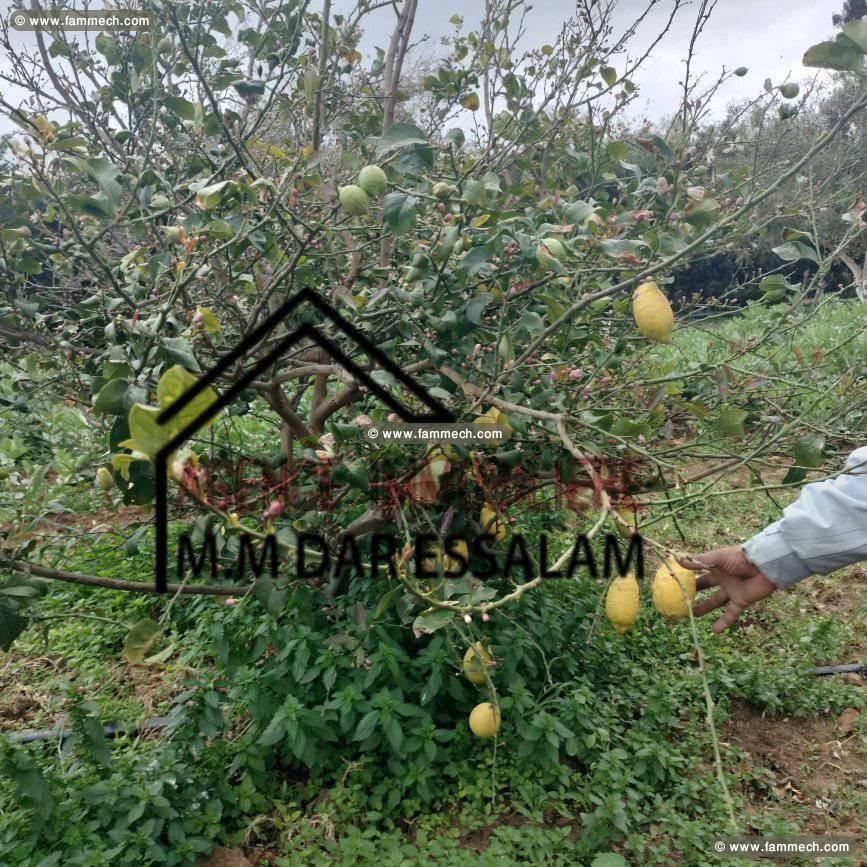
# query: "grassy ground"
793,745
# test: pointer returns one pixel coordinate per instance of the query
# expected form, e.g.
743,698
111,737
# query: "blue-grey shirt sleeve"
823,530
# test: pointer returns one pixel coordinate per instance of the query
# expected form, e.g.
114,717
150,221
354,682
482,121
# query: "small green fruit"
741,71
373,180
548,250
789,90
441,190
172,233
353,200
104,479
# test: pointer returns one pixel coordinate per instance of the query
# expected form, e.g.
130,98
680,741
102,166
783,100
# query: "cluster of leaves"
347,720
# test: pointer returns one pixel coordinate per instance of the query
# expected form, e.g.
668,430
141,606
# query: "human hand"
740,582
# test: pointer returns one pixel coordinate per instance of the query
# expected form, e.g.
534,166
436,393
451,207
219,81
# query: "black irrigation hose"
113,730
856,667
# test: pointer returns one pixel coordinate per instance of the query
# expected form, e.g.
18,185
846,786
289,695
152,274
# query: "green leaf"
249,90
730,421
146,434
840,55
579,213
398,212
400,135
180,349
616,248
609,75
475,307
275,730
12,624
175,382
183,108
209,321
110,398
430,621
142,484
662,146
26,265
456,138
794,475
140,640
608,859
808,450
855,32
210,196
794,250
219,230
617,150
474,193
474,261
702,212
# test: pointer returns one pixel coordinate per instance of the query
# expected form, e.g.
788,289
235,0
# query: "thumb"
694,562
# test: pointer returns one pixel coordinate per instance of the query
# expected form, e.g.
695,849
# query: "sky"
767,36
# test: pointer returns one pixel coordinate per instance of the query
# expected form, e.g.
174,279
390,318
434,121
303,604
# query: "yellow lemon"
485,720
667,594
476,660
491,523
652,313
621,602
104,479
433,562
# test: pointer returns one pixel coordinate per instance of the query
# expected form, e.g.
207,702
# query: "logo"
436,413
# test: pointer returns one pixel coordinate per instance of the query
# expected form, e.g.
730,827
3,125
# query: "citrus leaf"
839,55
398,212
140,640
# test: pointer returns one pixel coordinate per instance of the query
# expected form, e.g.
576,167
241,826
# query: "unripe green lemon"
373,180
353,200
550,249
104,479
442,190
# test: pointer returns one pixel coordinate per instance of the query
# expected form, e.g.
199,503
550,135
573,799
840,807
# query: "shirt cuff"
769,552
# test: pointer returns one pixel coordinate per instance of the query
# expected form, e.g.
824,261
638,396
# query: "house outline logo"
436,414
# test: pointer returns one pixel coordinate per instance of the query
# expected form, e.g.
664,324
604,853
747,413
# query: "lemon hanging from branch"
652,313
353,200
668,597
492,524
485,720
621,602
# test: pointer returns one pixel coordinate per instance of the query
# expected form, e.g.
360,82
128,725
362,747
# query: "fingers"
717,600
732,612
706,581
691,561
